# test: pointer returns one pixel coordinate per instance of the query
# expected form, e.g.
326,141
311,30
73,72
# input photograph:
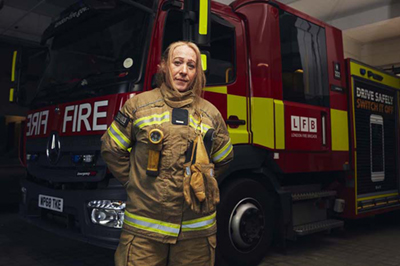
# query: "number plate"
51,203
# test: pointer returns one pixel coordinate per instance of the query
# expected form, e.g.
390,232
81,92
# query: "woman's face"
183,67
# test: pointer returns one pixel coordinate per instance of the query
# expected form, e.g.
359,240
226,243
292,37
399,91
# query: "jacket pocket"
212,243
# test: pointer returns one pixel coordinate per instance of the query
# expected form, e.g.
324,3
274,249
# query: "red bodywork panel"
334,45
304,151
262,34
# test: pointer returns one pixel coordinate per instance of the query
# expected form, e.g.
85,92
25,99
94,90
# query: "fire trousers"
138,251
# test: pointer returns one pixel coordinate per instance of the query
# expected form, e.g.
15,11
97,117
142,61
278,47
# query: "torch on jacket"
155,207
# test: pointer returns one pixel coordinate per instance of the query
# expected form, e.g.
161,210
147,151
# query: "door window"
304,61
221,61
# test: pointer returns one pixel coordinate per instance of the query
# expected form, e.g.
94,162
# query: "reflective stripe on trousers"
200,223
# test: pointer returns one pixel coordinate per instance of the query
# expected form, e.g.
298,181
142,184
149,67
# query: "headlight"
32,157
88,158
107,213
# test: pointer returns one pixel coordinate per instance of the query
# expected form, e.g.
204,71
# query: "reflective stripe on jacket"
164,228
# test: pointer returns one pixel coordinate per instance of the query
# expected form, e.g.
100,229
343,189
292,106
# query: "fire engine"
315,136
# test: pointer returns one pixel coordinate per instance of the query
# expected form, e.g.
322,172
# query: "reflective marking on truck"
37,123
79,115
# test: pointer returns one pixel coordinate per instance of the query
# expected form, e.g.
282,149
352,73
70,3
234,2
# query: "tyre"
245,223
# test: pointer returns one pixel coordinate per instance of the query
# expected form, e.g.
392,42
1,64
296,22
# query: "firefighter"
167,146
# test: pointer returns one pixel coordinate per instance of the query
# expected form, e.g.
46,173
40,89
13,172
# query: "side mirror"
197,21
203,27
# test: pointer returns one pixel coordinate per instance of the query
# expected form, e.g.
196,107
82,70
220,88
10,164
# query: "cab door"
226,86
305,87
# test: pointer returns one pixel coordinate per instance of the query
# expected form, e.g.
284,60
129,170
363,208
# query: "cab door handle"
234,121
323,127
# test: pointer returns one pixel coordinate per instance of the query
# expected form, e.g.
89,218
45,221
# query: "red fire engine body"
315,137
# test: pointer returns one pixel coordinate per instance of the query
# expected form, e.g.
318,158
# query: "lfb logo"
304,124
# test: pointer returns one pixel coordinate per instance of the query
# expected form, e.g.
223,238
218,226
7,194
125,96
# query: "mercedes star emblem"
53,148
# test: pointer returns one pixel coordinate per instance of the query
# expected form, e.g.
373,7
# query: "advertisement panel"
374,107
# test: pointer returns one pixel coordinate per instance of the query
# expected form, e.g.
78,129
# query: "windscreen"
88,58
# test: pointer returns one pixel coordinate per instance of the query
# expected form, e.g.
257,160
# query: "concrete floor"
367,242
361,243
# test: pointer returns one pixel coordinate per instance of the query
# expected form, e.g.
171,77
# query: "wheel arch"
257,164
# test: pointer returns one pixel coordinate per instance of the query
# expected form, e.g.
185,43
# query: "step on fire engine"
316,137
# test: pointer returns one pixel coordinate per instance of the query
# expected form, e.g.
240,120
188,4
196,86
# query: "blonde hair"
164,75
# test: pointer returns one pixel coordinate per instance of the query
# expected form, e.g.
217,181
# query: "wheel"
245,223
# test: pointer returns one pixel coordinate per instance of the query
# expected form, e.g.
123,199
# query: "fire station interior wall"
6,54
351,48
9,128
12,115
380,54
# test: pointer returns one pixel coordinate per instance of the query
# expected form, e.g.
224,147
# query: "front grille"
63,220
68,185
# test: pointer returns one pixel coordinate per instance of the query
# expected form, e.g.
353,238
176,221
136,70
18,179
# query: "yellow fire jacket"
155,206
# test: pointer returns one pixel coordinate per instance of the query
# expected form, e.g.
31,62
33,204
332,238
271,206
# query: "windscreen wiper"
99,74
48,94
50,88
86,80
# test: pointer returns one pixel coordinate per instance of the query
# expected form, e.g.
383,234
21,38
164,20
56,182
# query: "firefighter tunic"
155,207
